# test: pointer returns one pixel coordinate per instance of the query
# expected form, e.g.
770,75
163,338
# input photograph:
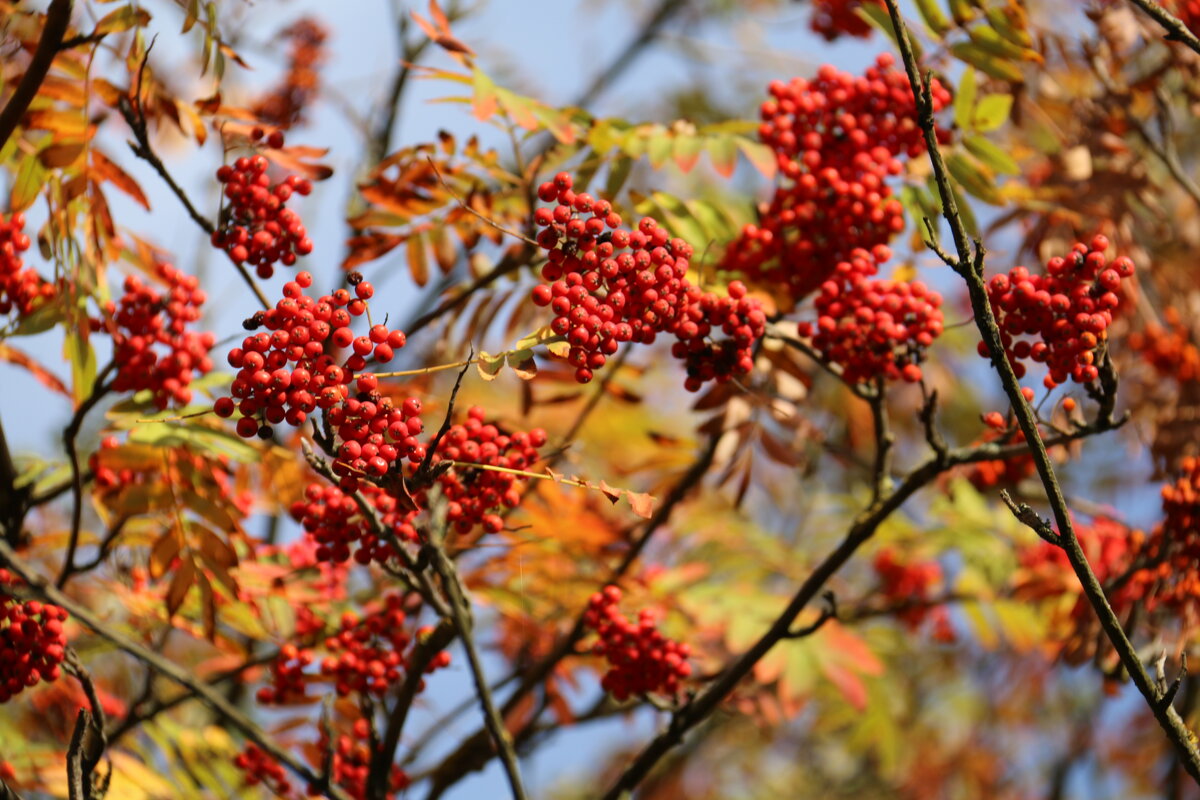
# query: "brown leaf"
57,156
181,584
163,552
208,607
777,450
216,549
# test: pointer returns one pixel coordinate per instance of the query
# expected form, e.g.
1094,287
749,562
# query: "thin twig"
480,215
70,435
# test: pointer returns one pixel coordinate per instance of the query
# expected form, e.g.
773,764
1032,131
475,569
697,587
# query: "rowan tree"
828,432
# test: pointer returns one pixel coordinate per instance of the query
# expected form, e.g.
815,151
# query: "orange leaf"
848,683
163,553
107,170
641,503
418,260
21,359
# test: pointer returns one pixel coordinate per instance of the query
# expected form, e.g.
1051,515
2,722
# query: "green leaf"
204,439
77,350
31,176
973,54
964,100
758,154
489,366
723,152
879,18
685,151
978,183
965,213
934,19
618,173
42,319
991,155
991,112
987,39
122,19
658,147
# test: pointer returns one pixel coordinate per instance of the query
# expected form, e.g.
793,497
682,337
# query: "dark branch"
58,17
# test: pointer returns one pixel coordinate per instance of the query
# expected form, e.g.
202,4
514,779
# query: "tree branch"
970,268
461,614
58,17
1176,30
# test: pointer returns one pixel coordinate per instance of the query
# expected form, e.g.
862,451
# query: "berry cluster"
473,494
1170,350
873,327
144,318
1174,544
32,642
286,374
368,655
352,763
837,139
1067,311
607,285
288,681
20,286
909,585
334,522
284,105
257,226
640,659
260,768
375,434
835,18
985,475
